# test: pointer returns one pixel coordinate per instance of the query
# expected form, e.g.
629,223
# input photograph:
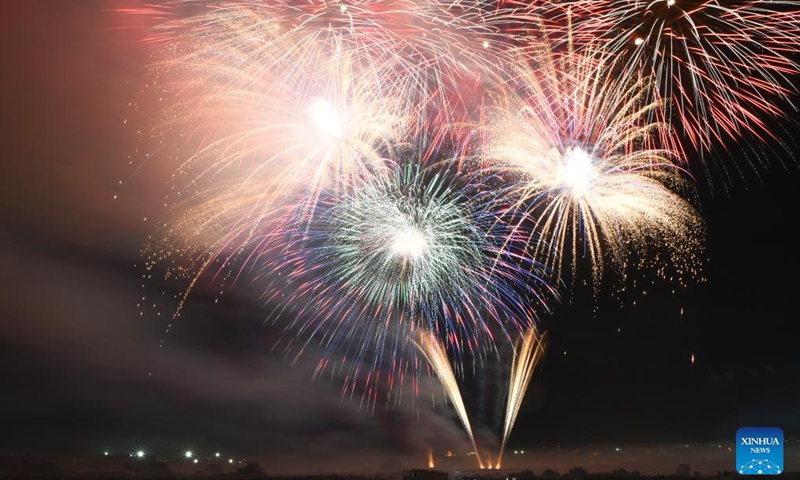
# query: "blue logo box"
759,451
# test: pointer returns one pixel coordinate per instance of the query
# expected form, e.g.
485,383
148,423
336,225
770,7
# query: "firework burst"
414,250
581,152
279,123
527,355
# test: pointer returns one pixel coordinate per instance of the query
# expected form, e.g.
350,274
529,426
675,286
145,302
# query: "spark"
409,243
326,120
577,172
582,163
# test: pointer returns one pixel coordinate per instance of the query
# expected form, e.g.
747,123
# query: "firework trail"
436,355
582,160
721,65
527,356
416,250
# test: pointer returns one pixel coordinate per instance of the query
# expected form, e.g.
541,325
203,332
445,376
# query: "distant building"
683,470
421,474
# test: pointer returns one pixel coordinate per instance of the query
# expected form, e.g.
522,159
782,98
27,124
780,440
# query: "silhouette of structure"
421,474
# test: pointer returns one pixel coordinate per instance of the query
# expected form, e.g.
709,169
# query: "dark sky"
81,371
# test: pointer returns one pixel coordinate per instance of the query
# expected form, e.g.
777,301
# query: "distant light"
188,454
638,41
216,455
521,452
670,3
617,449
195,460
140,454
485,44
230,460
105,453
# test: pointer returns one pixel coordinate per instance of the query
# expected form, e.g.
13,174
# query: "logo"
759,451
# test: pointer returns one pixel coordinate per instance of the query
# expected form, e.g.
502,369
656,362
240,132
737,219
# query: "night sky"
82,371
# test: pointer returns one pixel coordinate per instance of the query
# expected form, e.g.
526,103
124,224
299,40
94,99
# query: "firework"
414,250
282,120
579,150
436,355
310,166
527,356
276,98
721,65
